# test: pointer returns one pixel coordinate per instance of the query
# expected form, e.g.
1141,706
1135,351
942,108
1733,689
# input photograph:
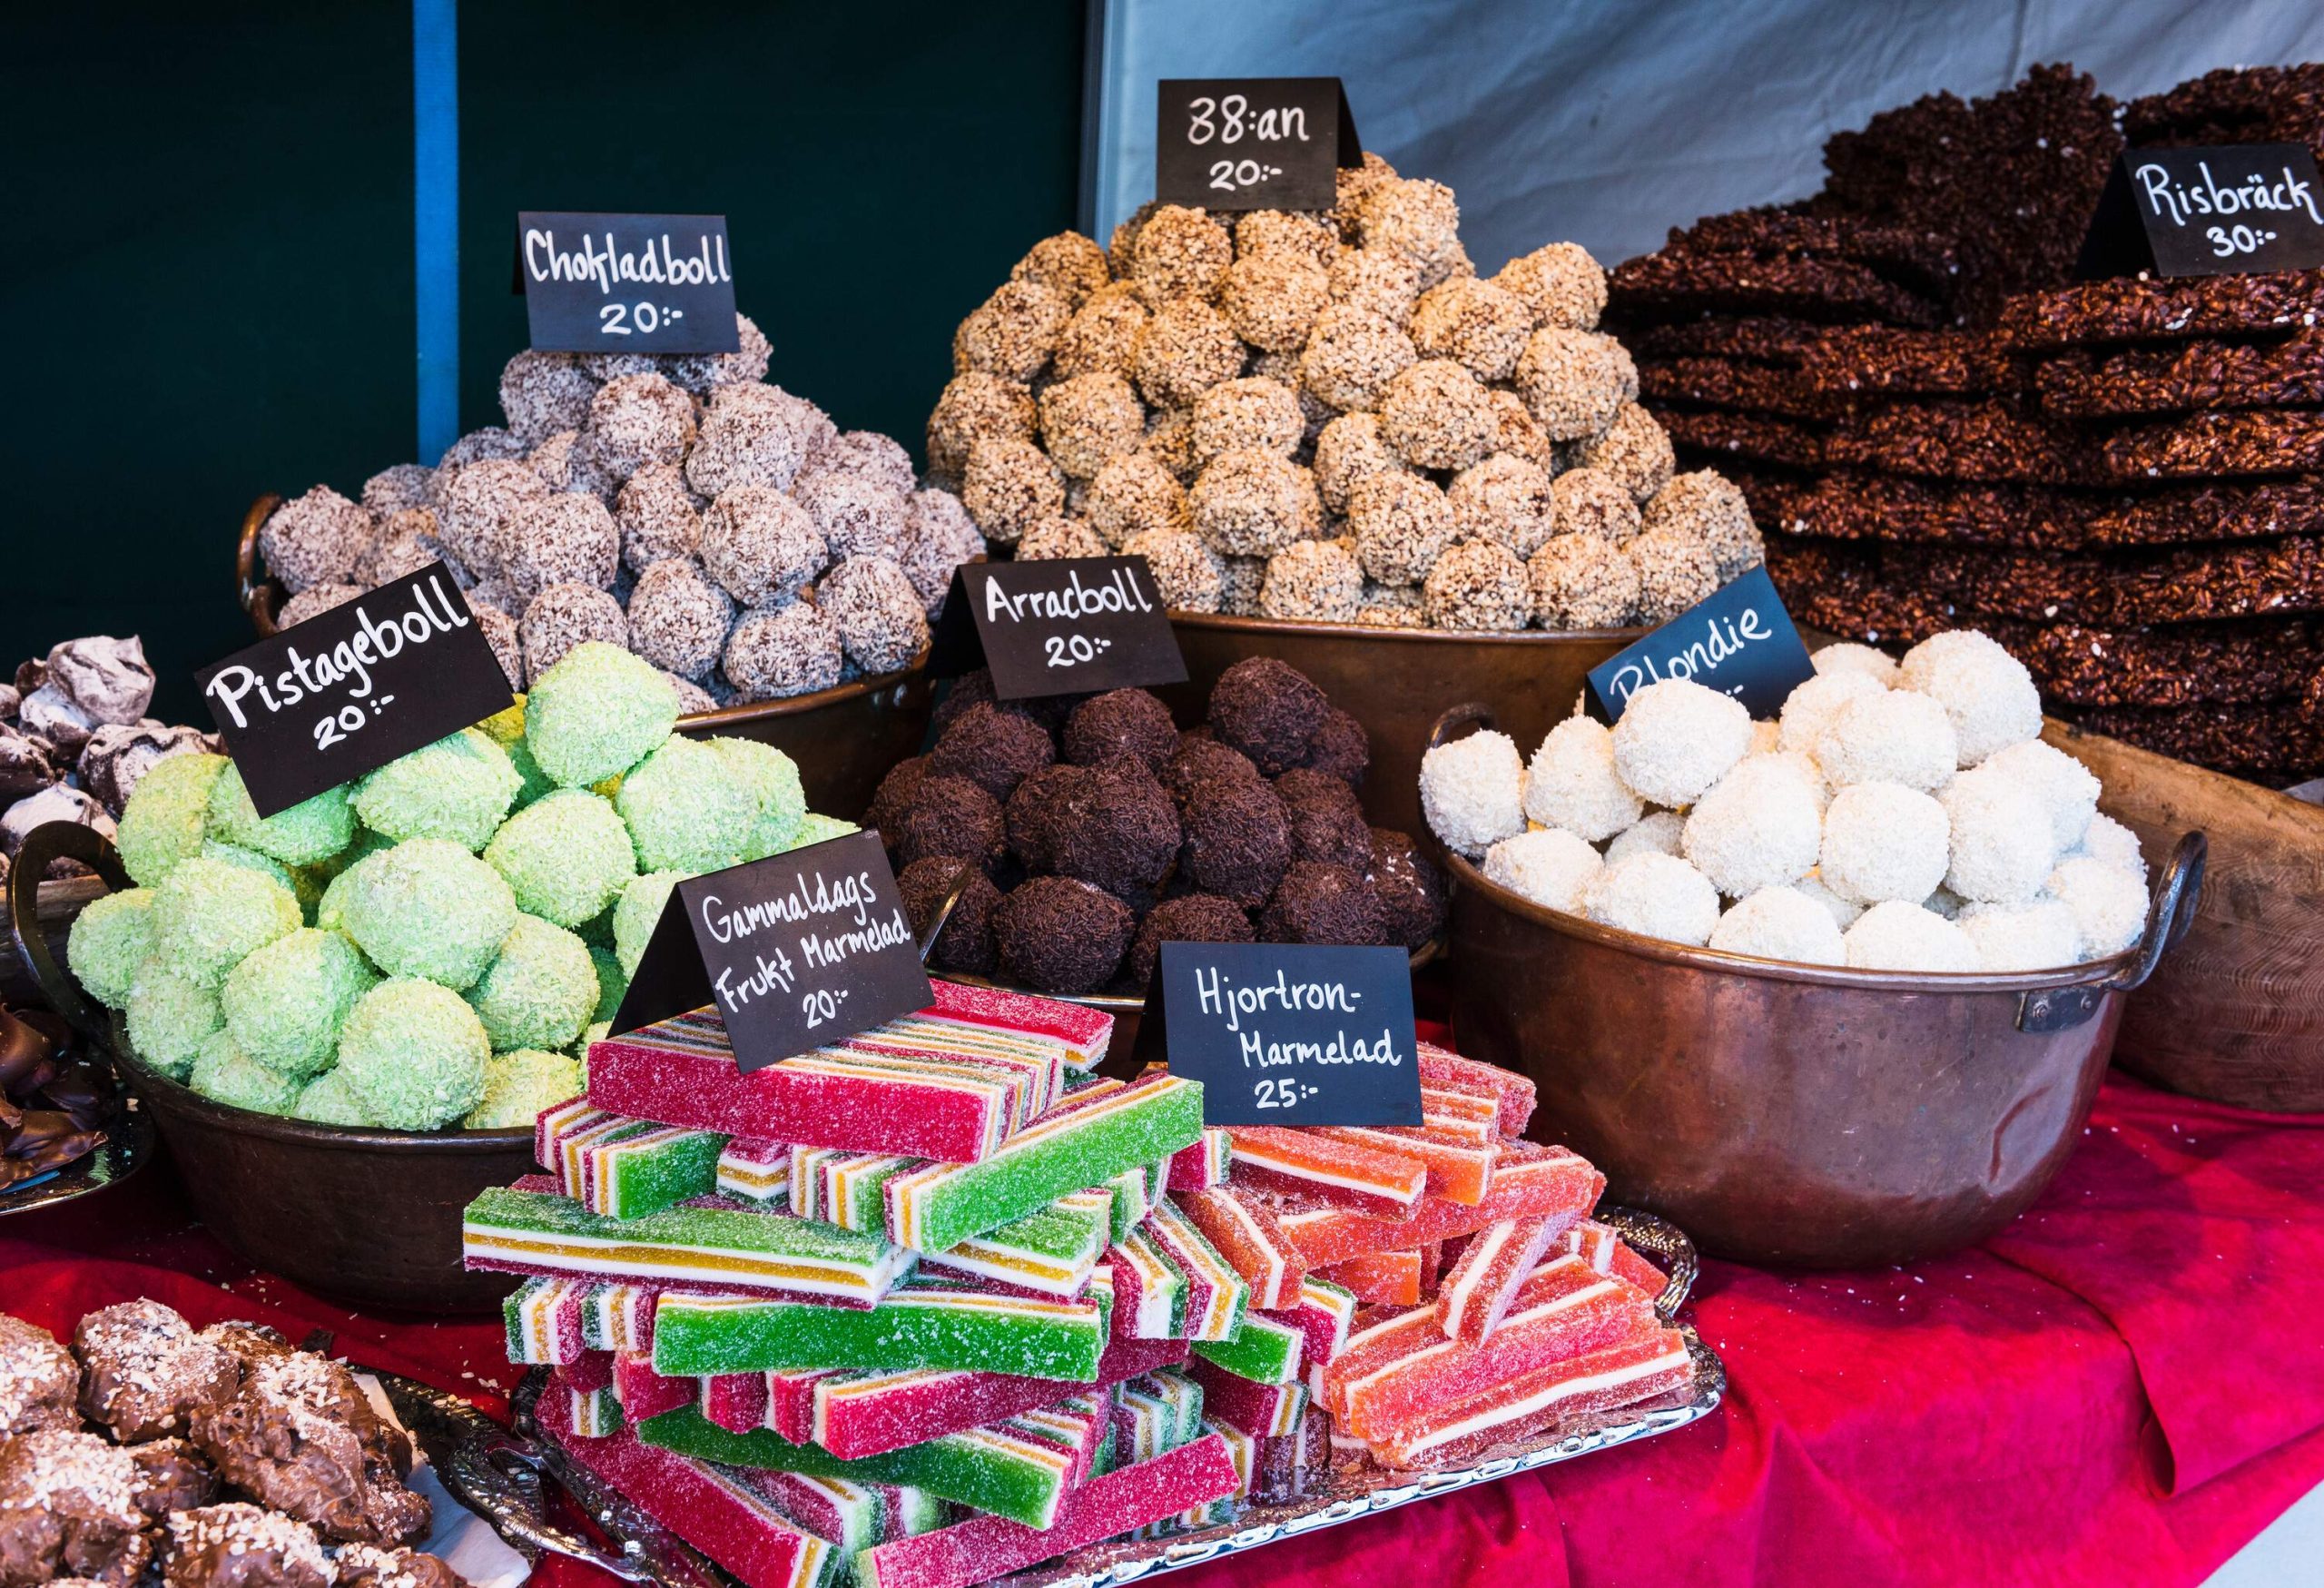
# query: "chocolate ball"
1326,822
1121,722
1059,934
1033,810
1237,839
1410,888
1319,903
966,942
1200,754
1189,917
1268,710
1119,830
991,748
969,688
895,792
950,817
1341,748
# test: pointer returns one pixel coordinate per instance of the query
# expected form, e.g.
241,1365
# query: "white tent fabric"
1609,122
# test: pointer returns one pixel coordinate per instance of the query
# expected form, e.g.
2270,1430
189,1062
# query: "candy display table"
2121,1388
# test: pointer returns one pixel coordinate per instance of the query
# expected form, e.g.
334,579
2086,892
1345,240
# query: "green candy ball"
535,782
517,1085
428,908
567,856
208,916
170,1017
250,860
109,941
634,917
224,1073
413,1054
285,1004
539,991
327,1100
686,809
457,789
313,829
772,779
597,712
162,823
611,983
815,829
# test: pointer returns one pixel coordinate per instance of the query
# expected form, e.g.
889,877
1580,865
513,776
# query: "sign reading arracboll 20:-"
1066,626
1292,1034
796,951
351,689
1741,642
609,283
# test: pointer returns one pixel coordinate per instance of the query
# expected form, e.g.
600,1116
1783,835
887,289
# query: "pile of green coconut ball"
436,942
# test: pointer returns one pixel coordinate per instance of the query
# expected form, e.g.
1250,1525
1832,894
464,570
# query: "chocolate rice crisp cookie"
2234,104
1759,340
1923,261
1885,360
2278,744
1736,387
1848,504
1842,589
1723,437
2234,510
1994,441
2196,375
2251,442
2128,309
2183,664
1664,286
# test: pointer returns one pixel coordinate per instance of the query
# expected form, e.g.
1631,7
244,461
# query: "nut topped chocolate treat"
146,1374
363,1565
39,1380
291,1437
171,1476
241,1545
68,1507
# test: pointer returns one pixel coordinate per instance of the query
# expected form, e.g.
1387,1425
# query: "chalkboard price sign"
352,688
1291,1033
610,284
1074,625
1741,642
795,952
2226,209
1252,142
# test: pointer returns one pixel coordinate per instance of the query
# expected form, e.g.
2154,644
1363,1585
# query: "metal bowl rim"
150,1082
1302,629
1840,976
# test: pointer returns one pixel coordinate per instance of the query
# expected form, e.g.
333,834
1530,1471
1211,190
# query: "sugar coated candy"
928,1326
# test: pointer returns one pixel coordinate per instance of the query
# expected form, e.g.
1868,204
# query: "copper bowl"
1394,681
1804,1116
843,738
369,1218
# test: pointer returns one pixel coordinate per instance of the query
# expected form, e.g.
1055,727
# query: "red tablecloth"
2121,1390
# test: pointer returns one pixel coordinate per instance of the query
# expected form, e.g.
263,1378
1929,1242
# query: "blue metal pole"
435,220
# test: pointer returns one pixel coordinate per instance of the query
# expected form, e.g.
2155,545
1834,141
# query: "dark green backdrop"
207,277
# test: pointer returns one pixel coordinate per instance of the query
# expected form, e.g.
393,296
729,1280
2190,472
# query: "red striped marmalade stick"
1648,1364
1477,1294
1359,1176
1249,1239
1512,1091
1529,1181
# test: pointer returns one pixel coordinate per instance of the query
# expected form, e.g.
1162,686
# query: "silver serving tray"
499,1473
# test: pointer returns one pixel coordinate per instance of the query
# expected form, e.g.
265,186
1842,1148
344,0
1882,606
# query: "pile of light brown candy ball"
721,527
1330,416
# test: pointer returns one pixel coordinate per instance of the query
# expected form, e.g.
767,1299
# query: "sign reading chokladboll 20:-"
1740,642
610,284
1060,628
795,952
1291,1033
351,689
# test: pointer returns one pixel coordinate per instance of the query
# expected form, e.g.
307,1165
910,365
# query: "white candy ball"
1677,737
2001,845
2107,840
1550,866
1659,834
1811,706
1898,936
1759,826
1470,791
2037,935
1894,736
1884,842
1856,659
1659,895
1843,911
2109,908
2066,788
1572,783
1781,923
1987,692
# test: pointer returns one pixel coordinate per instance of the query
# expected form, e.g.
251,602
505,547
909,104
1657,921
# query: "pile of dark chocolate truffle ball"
1095,831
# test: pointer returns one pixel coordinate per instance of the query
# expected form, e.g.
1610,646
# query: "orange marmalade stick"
1514,1092
1382,1278
1529,1182
1609,1252
1469,1116
1653,1362
1459,1170
1313,1163
1251,1241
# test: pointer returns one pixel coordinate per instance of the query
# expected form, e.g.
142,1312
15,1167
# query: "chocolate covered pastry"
171,1476
2191,375
39,1380
240,1545
147,1374
68,1508
1668,286
363,1565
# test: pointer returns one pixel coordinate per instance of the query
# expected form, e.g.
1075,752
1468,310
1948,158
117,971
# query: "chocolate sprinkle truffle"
1318,903
1339,748
316,539
1326,821
1061,935
966,942
1189,917
895,790
1200,754
992,748
1128,723
1410,889
678,618
1116,828
1267,710
949,817
1237,839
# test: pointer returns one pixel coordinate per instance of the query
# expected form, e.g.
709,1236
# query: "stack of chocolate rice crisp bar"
2118,479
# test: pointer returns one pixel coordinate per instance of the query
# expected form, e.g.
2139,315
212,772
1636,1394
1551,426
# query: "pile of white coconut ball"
1898,816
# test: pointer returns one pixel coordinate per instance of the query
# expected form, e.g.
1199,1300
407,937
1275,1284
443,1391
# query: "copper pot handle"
962,872
255,593
2171,912
48,842
1454,718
